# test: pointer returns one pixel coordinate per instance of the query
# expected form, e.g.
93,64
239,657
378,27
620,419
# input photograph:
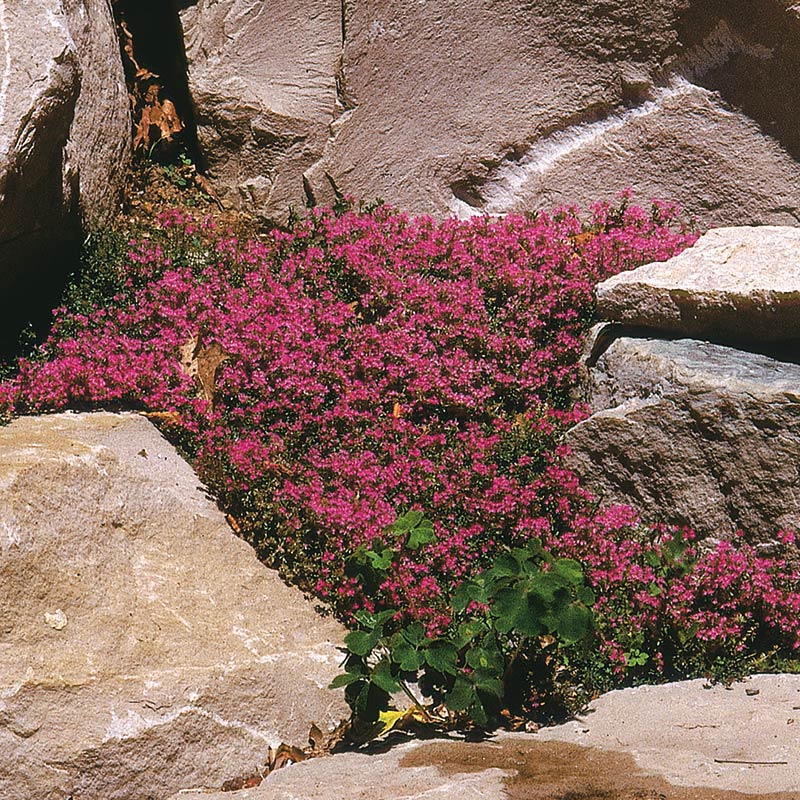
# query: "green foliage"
526,603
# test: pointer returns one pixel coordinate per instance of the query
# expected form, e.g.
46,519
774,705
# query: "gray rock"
64,136
263,82
143,647
694,433
734,284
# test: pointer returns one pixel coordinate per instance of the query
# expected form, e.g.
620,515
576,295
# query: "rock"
64,141
263,82
647,742
358,776
734,284
694,433
143,647
470,107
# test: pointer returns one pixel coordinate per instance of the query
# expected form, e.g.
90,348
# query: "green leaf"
461,696
382,677
345,680
488,682
365,618
442,656
506,566
509,604
361,642
414,633
487,658
478,714
466,593
586,596
405,655
569,569
466,632
421,535
574,623
380,561
407,521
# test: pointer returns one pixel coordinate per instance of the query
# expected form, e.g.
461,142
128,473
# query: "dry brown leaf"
285,754
201,362
164,417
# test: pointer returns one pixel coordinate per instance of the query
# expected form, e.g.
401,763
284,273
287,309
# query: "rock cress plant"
367,363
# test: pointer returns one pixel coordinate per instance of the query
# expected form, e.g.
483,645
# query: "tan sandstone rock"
693,433
470,108
143,647
681,741
735,284
64,139
263,82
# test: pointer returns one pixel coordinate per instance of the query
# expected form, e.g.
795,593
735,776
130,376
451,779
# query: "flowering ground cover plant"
327,378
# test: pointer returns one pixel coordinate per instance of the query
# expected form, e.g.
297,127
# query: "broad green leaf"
361,642
586,596
414,633
380,561
488,682
461,696
466,593
574,623
466,632
505,565
478,714
569,569
442,656
486,658
405,655
383,678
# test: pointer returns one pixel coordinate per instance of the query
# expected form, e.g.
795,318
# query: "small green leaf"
361,642
407,521
345,680
586,596
419,536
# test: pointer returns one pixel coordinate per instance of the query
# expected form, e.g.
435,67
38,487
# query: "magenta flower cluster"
369,363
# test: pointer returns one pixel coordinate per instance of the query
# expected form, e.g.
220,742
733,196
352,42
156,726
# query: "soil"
559,771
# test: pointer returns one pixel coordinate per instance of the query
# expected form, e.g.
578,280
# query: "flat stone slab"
681,741
735,284
693,433
143,647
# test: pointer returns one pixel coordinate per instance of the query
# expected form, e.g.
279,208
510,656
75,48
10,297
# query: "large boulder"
263,82
143,647
694,433
682,741
64,141
469,108
735,284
